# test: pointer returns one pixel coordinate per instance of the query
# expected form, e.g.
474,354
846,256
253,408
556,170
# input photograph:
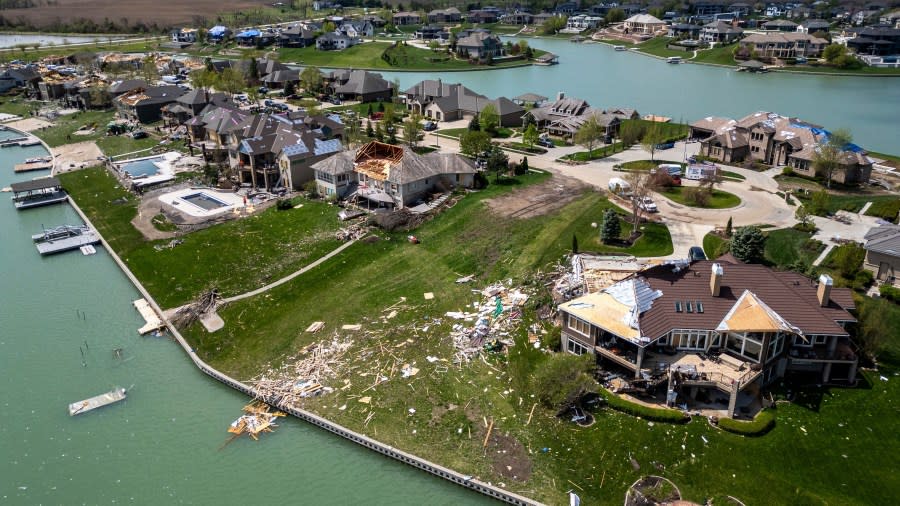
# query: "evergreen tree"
380,106
370,132
474,125
748,244
610,229
379,133
369,112
728,228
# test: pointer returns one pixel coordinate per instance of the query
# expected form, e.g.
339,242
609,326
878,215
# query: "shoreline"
307,416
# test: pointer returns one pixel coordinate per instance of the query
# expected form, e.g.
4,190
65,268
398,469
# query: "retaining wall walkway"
360,439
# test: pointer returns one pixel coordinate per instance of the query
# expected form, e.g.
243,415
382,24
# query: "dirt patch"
539,199
29,124
509,457
76,156
130,11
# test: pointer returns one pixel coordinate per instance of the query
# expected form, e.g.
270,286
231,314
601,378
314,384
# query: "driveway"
832,232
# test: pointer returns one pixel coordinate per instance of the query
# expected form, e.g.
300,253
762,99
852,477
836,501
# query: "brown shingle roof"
792,296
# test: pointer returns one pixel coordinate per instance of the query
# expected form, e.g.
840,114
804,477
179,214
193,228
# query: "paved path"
832,232
289,277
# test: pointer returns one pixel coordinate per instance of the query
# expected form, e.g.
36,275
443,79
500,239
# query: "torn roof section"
751,314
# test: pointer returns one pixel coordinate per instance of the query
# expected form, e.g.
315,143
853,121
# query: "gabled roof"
646,19
750,314
361,82
884,239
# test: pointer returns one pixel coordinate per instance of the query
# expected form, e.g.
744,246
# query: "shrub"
889,292
748,244
632,408
809,227
562,379
284,204
787,171
848,259
763,423
696,196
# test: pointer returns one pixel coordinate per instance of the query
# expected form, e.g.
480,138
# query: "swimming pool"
205,201
145,167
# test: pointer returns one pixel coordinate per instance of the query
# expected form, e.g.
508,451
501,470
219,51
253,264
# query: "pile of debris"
352,233
258,418
499,310
303,378
188,314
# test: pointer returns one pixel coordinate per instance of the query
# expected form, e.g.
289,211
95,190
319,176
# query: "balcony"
843,353
616,353
695,370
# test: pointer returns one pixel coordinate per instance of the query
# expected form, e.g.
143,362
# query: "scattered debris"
352,232
429,295
355,326
186,315
303,378
315,327
497,314
258,418
465,279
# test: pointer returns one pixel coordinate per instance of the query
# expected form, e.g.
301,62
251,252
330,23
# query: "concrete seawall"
360,439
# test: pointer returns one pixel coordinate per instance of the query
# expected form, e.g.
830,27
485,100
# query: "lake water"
604,77
12,39
163,445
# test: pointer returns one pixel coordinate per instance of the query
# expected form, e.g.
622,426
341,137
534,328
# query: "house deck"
700,371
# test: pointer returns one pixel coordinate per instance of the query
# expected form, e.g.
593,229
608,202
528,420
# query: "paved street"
687,225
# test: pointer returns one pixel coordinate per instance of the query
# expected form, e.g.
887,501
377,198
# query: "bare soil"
146,11
539,199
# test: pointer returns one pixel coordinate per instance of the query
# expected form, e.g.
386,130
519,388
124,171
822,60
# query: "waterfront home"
875,40
582,22
481,16
564,117
779,25
479,46
644,24
441,101
356,29
25,76
668,320
184,35
814,26
407,18
883,253
335,42
769,46
516,18
684,30
389,176
377,21
432,32
297,36
218,34
145,104
778,141
255,37
448,15
720,32
191,104
359,85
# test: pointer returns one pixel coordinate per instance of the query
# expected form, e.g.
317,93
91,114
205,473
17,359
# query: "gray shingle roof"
884,239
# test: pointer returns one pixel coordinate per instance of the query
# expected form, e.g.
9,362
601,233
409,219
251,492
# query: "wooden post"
488,435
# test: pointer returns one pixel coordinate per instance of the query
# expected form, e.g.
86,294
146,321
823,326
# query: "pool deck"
175,199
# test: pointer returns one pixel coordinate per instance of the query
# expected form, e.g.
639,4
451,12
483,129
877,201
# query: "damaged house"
389,176
724,327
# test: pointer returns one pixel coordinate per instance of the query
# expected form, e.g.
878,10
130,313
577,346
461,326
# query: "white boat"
620,48
673,59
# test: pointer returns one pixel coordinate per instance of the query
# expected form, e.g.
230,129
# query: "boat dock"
98,401
13,142
26,167
38,192
64,238
154,322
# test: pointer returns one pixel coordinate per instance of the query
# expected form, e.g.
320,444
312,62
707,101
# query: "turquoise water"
607,78
145,167
164,444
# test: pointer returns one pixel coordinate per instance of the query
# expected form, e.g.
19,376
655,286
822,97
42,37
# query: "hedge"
655,414
763,423
890,293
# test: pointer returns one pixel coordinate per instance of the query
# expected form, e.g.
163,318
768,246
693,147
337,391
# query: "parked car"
648,205
268,103
429,126
665,145
547,143
335,101
138,134
696,254
263,90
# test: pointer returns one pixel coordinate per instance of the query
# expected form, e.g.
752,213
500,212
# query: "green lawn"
115,145
720,199
369,56
722,55
786,247
732,175
657,47
61,132
853,203
887,209
595,154
234,257
502,132
866,70
712,245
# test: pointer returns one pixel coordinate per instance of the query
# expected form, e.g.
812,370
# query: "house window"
580,326
690,339
820,339
745,346
803,341
716,340
776,345
575,348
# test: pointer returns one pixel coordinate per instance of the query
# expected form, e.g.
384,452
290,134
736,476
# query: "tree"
827,159
614,16
497,161
253,95
803,216
631,132
370,132
289,88
252,72
434,45
412,127
311,79
820,203
489,119
562,379
848,259
640,189
574,244
652,138
379,132
589,133
610,229
522,168
474,124
328,27
749,244
149,72
230,81
474,143
728,228
203,79
833,51
554,24
369,111
530,136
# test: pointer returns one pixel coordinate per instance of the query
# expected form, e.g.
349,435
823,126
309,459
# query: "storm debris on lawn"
493,318
351,233
302,377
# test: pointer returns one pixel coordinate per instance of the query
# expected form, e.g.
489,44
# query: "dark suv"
696,254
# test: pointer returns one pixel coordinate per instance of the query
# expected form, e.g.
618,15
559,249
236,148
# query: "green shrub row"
655,414
760,425
890,293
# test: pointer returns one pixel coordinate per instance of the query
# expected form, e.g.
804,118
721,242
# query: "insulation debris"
315,326
497,313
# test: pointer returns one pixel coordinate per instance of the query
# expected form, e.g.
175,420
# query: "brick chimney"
715,280
824,291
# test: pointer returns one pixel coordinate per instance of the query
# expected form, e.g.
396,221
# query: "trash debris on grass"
303,378
499,310
315,327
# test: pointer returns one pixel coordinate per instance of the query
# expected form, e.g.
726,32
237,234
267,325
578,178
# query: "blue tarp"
249,34
217,30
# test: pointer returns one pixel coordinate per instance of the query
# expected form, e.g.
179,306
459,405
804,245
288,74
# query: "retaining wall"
360,439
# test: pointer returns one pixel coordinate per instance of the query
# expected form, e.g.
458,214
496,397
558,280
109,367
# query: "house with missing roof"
440,101
393,177
716,330
883,253
266,151
145,104
776,140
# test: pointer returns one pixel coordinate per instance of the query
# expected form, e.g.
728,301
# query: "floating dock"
111,397
64,238
26,167
87,249
154,322
13,142
38,192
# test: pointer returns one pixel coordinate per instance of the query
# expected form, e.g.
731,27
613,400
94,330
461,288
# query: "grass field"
657,47
722,55
712,244
719,199
786,247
